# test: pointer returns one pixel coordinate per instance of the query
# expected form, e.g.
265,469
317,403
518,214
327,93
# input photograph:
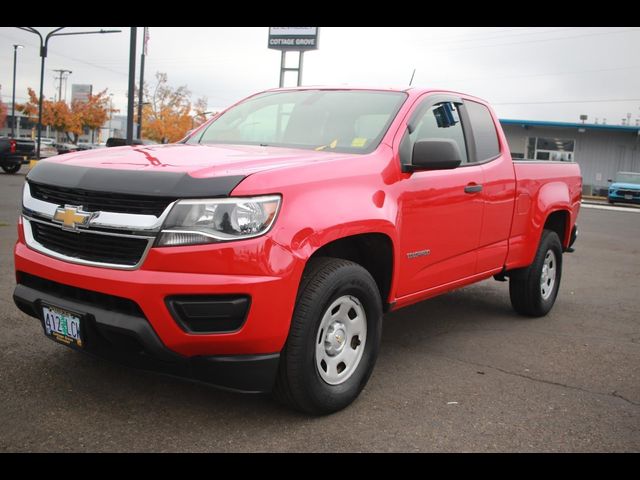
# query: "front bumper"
615,197
257,268
176,271
128,338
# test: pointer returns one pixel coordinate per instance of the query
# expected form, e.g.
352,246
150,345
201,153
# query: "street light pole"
141,87
13,96
132,83
43,54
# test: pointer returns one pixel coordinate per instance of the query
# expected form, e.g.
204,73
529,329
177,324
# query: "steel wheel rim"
548,276
340,340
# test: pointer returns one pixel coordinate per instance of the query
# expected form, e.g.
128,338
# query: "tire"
531,289
332,291
11,168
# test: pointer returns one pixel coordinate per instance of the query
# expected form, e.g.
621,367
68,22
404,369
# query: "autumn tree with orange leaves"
70,119
169,113
3,114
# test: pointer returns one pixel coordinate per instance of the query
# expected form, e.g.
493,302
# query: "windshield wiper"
322,147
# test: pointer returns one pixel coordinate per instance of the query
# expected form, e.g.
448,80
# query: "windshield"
325,120
628,177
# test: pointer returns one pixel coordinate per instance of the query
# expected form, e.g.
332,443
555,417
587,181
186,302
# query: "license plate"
628,197
62,325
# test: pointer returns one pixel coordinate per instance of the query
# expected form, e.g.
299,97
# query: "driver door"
440,210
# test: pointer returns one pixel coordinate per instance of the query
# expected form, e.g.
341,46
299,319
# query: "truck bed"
537,182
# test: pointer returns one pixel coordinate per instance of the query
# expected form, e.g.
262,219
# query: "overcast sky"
535,73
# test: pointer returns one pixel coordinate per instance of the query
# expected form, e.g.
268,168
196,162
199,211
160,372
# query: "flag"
146,40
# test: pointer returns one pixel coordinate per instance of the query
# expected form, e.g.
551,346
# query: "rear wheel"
533,290
333,340
11,168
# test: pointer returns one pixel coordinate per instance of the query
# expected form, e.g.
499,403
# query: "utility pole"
110,113
62,73
65,89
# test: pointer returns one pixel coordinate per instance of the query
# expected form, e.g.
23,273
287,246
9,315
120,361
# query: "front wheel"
533,290
11,168
333,340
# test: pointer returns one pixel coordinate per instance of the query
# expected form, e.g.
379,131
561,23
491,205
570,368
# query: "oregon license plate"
62,325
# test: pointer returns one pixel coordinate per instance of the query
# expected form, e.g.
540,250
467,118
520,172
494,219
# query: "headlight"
192,222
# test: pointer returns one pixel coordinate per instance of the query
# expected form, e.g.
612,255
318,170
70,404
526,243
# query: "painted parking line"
611,207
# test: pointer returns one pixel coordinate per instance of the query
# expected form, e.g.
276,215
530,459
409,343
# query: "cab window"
439,121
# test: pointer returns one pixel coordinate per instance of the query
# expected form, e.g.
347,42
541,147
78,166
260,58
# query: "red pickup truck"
260,253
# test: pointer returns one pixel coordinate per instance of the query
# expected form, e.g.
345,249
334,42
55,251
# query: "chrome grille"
109,239
93,247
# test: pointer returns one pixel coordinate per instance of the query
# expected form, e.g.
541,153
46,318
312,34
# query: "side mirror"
434,154
116,142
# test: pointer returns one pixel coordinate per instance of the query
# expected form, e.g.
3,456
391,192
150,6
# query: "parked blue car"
626,188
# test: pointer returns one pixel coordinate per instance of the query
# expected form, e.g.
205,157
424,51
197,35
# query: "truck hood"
199,161
176,170
626,186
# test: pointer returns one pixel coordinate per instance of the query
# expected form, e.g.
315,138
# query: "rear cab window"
485,135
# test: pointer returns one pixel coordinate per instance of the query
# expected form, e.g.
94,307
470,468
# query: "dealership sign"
80,93
293,38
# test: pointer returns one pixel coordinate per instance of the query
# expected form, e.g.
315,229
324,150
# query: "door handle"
473,188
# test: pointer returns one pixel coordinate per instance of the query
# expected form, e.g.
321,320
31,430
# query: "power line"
52,53
538,31
540,40
569,101
181,60
546,74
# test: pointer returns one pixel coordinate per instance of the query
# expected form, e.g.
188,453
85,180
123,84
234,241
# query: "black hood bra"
133,182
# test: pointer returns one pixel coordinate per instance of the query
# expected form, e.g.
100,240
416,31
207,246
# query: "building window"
554,149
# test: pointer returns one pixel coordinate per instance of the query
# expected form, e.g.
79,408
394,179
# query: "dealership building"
600,150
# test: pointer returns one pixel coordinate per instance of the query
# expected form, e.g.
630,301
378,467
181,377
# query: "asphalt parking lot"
461,372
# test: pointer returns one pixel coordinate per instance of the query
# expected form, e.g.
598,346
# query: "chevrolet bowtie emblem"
72,217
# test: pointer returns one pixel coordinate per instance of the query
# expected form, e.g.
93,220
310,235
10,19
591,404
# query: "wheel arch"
559,221
372,250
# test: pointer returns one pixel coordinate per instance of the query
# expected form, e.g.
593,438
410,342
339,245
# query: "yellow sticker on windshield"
358,142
